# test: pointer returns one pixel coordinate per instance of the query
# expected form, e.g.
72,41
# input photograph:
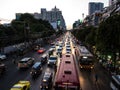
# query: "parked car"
25,62
36,69
21,85
2,68
46,82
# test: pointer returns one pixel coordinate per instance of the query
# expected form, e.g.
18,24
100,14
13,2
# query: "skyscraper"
54,17
95,6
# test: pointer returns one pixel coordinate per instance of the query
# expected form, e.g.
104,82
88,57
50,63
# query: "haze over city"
72,10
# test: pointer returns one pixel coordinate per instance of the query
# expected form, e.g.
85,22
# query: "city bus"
67,76
115,82
86,60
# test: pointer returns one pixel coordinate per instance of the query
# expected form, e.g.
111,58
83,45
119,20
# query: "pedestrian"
96,77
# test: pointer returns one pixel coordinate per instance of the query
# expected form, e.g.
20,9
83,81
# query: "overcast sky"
71,9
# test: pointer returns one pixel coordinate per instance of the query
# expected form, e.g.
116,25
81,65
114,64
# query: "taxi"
21,85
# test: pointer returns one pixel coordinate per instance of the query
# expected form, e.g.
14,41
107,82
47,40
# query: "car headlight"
44,80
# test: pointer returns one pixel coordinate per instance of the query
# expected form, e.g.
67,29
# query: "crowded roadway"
43,63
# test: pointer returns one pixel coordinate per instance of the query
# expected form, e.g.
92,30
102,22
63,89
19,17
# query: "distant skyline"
72,10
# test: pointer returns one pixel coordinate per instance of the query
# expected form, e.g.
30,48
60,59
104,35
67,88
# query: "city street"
60,45
87,78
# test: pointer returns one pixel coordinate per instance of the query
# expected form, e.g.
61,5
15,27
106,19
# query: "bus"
86,60
115,82
67,76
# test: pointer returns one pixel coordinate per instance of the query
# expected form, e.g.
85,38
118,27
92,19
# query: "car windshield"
22,61
59,49
53,58
67,46
17,87
53,47
68,49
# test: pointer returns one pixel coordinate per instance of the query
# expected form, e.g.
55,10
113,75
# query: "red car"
41,50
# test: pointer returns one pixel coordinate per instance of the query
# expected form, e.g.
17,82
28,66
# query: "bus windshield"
86,61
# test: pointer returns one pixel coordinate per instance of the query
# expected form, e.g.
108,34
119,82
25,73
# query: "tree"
108,35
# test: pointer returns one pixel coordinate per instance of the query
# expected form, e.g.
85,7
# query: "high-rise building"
54,17
111,2
95,6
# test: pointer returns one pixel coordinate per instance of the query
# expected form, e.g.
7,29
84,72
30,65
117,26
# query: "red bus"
67,75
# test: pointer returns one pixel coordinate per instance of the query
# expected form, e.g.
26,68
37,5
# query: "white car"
52,60
2,57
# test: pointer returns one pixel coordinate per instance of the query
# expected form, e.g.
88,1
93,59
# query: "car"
50,52
59,51
43,59
61,46
41,50
53,47
68,46
2,68
68,50
21,85
46,83
36,69
52,43
3,57
26,62
52,60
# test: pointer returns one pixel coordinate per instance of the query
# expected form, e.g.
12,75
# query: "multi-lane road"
87,78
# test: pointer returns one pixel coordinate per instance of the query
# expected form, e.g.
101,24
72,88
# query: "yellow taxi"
21,85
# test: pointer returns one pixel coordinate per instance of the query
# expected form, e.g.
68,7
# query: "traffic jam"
55,68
